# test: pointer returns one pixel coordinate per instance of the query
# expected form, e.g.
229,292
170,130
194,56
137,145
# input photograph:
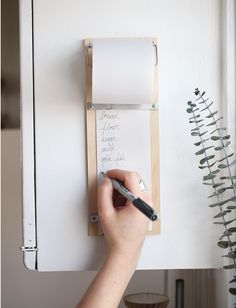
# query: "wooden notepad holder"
94,227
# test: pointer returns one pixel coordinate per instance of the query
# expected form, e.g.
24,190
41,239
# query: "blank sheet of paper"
123,142
122,71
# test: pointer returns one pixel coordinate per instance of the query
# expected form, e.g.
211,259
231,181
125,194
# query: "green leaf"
222,214
210,176
224,223
223,244
199,142
233,199
194,134
203,150
206,107
194,117
215,138
233,280
232,230
226,157
214,204
189,110
226,137
195,121
215,171
217,184
203,160
229,267
232,163
231,207
211,114
231,255
232,177
218,129
232,291
226,233
211,165
202,134
214,122
222,166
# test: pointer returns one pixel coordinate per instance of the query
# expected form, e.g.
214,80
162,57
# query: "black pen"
136,201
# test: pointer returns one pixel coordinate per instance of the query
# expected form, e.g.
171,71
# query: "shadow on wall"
10,95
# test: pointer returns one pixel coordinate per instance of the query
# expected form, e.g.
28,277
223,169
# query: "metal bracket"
152,106
27,249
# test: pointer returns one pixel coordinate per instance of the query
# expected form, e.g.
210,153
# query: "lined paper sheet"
123,142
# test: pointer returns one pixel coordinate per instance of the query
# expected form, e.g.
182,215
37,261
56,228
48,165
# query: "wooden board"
94,228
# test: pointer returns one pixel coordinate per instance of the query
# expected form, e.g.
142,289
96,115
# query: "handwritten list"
123,141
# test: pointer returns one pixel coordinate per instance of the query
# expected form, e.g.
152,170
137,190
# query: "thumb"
105,203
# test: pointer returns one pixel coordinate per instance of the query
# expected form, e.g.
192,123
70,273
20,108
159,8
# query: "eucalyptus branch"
214,178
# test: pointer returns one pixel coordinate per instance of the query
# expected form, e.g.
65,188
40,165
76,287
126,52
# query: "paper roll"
123,71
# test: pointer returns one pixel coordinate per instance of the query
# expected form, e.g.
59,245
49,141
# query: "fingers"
130,179
105,203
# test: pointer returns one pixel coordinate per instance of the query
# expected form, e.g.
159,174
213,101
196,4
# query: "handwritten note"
123,142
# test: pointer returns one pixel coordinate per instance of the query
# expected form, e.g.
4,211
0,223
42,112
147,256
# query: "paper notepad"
123,142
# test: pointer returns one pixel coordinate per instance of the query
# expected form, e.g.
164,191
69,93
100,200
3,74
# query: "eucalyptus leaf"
231,207
231,255
202,134
233,199
223,244
233,280
226,157
226,233
211,114
232,230
226,137
194,117
218,129
214,204
215,171
199,142
224,223
195,121
189,110
232,163
210,176
215,138
232,291
203,150
203,160
195,129
231,177
229,267
217,184
227,144
207,107
194,134
222,214
222,166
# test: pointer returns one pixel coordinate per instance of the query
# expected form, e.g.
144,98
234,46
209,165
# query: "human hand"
124,227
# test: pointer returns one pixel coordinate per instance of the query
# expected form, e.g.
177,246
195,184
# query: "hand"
125,227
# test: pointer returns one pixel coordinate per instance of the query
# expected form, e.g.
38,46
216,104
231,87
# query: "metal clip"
155,46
